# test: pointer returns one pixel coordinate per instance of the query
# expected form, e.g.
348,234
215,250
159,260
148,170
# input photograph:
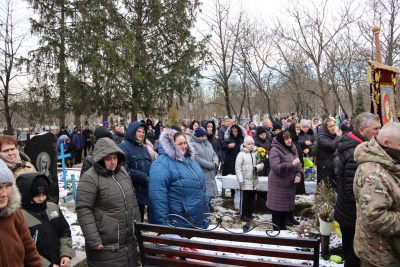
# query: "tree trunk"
61,74
227,102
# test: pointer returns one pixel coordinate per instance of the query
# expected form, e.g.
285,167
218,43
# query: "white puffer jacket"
244,165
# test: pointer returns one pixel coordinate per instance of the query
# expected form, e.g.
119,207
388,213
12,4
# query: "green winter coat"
106,206
377,193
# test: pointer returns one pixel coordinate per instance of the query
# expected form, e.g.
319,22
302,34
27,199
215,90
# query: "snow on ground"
68,209
78,241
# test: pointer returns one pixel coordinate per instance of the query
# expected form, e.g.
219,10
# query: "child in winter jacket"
246,168
49,228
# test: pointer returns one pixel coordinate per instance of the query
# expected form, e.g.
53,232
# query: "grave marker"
42,151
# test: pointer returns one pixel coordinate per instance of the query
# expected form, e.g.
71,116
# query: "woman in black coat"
327,144
234,138
260,140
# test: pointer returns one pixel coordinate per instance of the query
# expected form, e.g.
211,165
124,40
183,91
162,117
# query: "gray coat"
244,165
205,156
281,186
106,206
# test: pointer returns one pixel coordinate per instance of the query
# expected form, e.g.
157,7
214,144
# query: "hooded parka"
17,248
244,166
177,186
138,160
106,206
205,156
48,226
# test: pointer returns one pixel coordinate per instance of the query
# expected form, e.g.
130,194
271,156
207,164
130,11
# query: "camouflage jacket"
377,193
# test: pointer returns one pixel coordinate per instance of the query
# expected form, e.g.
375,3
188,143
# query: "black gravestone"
42,151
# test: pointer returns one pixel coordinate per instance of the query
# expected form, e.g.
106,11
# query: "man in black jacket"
367,125
87,133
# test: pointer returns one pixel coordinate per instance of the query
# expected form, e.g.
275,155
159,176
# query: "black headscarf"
292,131
279,138
239,132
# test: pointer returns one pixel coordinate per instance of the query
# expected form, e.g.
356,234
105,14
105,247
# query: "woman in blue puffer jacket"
176,184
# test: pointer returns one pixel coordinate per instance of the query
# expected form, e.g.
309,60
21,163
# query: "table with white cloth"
231,182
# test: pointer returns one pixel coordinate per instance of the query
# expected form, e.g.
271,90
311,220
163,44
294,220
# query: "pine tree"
50,61
173,116
360,106
160,54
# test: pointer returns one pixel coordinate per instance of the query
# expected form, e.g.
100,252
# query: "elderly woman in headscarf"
286,172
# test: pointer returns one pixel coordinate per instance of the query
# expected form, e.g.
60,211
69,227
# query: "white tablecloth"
230,182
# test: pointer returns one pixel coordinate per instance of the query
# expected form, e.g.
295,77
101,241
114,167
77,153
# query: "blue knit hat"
6,175
200,131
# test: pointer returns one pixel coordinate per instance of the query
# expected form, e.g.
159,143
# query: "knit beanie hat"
200,131
276,126
6,175
260,130
304,123
102,132
39,186
248,140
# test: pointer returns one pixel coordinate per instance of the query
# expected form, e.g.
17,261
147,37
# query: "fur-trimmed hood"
14,201
168,146
243,132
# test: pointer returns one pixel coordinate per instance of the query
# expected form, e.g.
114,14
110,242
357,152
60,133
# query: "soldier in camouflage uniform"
377,193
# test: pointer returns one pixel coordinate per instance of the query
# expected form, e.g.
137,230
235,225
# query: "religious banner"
383,91
383,81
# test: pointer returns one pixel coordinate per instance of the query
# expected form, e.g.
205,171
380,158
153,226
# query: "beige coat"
24,167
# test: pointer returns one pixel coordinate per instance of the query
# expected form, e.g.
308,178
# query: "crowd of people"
132,170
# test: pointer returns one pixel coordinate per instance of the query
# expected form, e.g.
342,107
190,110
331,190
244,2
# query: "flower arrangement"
326,212
261,155
324,204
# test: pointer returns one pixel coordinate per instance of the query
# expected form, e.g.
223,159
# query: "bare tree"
255,49
225,34
314,29
12,40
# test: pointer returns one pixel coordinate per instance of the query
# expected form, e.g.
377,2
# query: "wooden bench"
163,255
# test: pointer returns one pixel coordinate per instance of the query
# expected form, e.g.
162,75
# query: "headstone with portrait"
42,151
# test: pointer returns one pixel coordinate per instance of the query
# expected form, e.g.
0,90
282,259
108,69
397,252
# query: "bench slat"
300,255
158,261
235,261
291,242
